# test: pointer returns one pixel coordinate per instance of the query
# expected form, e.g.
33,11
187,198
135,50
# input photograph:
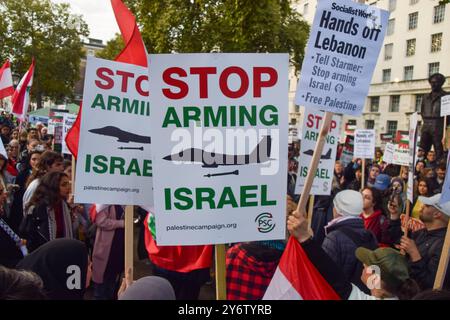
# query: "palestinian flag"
296,278
402,137
21,97
175,258
6,83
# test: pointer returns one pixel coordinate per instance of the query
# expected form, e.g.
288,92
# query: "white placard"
412,152
68,121
340,57
114,155
220,163
364,144
323,178
445,105
401,155
388,154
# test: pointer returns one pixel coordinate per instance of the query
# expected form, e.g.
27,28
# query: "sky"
99,16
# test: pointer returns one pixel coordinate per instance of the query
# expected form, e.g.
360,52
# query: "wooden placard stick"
221,272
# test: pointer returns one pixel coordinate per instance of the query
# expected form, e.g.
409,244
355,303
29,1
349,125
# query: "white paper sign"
445,105
69,120
323,178
114,155
401,155
412,152
340,57
220,159
388,154
364,144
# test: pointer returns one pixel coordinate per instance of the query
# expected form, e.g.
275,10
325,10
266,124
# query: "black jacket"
35,228
10,253
341,242
429,244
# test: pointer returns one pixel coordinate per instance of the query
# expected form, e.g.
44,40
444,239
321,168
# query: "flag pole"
129,240
220,265
444,134
363,172
310,209
443,262
315,161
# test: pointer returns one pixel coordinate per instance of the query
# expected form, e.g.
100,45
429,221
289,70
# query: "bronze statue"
433,123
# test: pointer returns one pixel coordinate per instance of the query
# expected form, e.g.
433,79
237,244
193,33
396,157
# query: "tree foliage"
220,26
49,33
112,49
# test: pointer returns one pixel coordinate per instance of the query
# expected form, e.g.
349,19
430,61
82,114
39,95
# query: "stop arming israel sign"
312,122
114,158
341,54
220,157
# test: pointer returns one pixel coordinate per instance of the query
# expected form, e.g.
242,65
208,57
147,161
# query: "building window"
413,18
391,127
436,42
392,5
370,124
305,8
388,51
433,68
386,75
439,13
419,98
408,73
374,104
391,26
394,104
411,2
410,47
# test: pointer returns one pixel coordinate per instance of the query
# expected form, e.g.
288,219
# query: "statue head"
436,81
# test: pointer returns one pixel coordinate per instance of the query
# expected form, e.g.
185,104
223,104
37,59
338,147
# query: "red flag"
296,278
133,53
177,258
21,97
6,83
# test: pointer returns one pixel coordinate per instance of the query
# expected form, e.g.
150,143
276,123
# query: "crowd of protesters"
42,231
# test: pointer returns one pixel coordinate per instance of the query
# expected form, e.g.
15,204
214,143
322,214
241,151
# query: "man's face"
431,156
33,134
427,213
440,173
13,150
367,199
374,172
338,167
5,131
420,153
435,84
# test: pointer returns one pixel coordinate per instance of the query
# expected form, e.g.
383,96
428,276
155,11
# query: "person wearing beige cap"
424,247
345,233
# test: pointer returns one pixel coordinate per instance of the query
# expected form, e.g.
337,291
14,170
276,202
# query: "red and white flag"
21,97
134,52
296,278
6,83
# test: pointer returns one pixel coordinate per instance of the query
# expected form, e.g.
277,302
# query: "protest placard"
341,54
364,146
401,155
445,105
412,153
68,121
114,155
388,153
220,157
347,151
324,173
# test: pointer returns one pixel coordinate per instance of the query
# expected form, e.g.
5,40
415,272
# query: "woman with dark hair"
420,165
48,215
20,285
63,266
49,162
373,215
424,188
16,215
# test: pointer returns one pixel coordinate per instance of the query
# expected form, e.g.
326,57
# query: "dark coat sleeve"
329,270
424,271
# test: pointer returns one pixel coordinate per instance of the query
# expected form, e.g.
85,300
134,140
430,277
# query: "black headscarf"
57,263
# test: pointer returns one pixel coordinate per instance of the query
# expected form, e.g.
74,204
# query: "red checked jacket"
250,267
